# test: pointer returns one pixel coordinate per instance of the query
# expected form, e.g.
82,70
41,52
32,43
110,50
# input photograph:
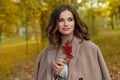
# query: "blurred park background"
22,33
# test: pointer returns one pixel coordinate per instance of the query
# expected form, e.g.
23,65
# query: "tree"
8,17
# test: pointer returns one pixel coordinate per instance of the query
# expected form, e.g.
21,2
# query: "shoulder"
43,52
89,44
90,48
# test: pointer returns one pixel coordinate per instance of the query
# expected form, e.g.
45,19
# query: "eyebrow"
63,18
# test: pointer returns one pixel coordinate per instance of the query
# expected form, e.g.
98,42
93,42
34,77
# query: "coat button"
80,78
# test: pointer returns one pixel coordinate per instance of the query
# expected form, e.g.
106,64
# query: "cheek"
59,29
60,26
72,23
73,26
72,29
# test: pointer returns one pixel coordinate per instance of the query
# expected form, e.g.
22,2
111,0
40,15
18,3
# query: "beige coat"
87,62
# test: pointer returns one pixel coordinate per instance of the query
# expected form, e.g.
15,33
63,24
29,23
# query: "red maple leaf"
67,49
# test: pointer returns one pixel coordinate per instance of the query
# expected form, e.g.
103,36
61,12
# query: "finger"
57,68
56,71
60,63
61,60
55,65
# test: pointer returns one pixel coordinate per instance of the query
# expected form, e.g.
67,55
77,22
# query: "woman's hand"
58,66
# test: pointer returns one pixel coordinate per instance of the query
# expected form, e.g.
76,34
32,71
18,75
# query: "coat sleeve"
104,70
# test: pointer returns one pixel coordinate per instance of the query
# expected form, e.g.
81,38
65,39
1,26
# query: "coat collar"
75,41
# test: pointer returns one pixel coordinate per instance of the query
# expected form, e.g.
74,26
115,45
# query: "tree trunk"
0,33
27,38
93,19
112,22
42,27
37,31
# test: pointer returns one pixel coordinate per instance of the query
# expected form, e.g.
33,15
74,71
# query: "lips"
66,29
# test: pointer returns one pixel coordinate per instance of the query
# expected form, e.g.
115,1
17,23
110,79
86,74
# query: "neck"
66,37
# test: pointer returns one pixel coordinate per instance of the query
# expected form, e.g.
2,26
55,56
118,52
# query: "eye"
60,20
70,19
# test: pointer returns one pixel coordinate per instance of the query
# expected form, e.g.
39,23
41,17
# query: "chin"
66,34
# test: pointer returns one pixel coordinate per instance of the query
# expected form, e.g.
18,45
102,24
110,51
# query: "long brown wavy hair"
80,31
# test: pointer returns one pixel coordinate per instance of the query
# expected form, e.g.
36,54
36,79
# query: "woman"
70,54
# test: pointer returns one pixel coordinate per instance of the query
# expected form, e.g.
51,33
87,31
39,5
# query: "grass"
14,54
109,42
17,61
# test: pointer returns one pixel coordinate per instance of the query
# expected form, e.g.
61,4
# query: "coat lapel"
75,52
51,56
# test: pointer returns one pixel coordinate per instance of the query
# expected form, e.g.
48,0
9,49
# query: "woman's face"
66,23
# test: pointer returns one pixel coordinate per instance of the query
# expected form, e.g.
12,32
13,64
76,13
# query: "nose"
66,23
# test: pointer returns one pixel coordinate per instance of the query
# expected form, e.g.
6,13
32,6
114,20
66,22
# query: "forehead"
66,14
